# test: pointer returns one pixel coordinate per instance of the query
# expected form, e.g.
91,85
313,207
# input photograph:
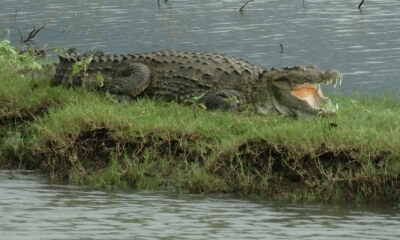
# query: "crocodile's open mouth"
312,94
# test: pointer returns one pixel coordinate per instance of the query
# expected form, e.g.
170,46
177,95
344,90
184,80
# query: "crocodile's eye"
282,79
207,76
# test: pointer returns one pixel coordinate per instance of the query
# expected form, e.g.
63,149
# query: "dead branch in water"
241,9
359,6
34,31
19,30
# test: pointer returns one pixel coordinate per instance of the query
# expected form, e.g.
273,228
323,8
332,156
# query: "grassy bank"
86,138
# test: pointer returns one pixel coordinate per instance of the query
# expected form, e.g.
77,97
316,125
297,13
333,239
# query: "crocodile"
216,80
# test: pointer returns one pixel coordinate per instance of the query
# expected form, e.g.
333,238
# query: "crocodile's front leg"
226,99
129,80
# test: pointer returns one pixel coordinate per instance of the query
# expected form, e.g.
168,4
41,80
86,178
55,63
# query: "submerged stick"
34,31
241,9
19,30
359,6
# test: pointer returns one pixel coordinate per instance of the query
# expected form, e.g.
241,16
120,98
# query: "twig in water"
34,31
19,30
359,6
241,9
158,2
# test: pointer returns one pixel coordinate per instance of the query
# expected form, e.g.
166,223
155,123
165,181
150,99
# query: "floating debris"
359,6
241,9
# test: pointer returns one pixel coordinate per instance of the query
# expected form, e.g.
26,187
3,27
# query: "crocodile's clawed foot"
223,100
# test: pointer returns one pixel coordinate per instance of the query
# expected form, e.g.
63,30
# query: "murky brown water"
33,208
364,46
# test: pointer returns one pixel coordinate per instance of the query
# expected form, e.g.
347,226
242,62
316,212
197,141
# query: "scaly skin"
224,82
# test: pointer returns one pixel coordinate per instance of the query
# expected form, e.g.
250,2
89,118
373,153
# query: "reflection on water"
364,45
33,208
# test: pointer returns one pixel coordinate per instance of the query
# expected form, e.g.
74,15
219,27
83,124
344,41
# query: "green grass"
86,138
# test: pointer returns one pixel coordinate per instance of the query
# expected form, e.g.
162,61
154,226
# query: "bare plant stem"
19,30
359,6
34,31
241,9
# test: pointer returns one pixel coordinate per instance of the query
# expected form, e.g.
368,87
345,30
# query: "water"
33,208
364,46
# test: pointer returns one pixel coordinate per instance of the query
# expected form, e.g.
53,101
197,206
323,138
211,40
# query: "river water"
363,45
33,208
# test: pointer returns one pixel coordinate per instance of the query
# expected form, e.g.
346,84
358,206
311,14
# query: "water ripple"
36,209
329,34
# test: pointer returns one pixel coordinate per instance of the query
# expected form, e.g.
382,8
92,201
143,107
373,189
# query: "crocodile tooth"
335,83
340,82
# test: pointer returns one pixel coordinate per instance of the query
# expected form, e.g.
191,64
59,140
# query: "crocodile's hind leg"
226,99
129,80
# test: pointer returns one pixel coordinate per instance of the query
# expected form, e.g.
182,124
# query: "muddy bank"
85,138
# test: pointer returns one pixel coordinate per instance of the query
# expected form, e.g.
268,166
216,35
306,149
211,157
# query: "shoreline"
85,138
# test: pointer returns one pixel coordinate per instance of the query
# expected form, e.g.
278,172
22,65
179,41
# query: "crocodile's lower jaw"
312,94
